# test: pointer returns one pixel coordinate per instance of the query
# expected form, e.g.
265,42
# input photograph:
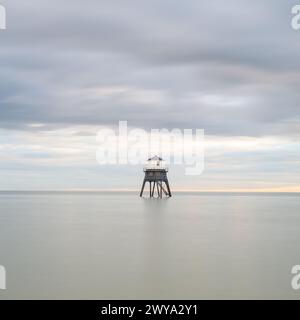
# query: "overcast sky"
71,67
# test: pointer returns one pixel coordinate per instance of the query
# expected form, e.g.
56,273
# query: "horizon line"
138,190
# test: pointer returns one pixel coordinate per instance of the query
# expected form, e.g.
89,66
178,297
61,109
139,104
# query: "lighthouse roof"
155,158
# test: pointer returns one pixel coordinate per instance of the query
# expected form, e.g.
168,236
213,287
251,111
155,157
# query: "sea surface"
72,245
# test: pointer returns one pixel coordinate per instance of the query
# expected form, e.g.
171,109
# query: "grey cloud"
240,50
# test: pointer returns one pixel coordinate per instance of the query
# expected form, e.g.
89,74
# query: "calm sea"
119,246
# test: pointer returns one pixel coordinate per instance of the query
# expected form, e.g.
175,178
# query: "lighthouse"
156,174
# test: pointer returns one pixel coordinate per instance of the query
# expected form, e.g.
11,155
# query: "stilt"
159,183
163,189
143,188
168,187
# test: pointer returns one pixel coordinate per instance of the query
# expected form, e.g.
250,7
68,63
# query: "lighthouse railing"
155,167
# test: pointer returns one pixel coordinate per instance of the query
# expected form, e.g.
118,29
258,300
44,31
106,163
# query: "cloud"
230,68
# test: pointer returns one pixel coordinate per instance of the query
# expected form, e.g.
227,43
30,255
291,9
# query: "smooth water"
119,246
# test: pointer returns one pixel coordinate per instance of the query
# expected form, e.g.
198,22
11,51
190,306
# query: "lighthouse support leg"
157,189
153,188
162,188
168,187
141,194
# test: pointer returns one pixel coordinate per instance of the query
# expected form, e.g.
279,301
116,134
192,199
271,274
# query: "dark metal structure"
156,175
